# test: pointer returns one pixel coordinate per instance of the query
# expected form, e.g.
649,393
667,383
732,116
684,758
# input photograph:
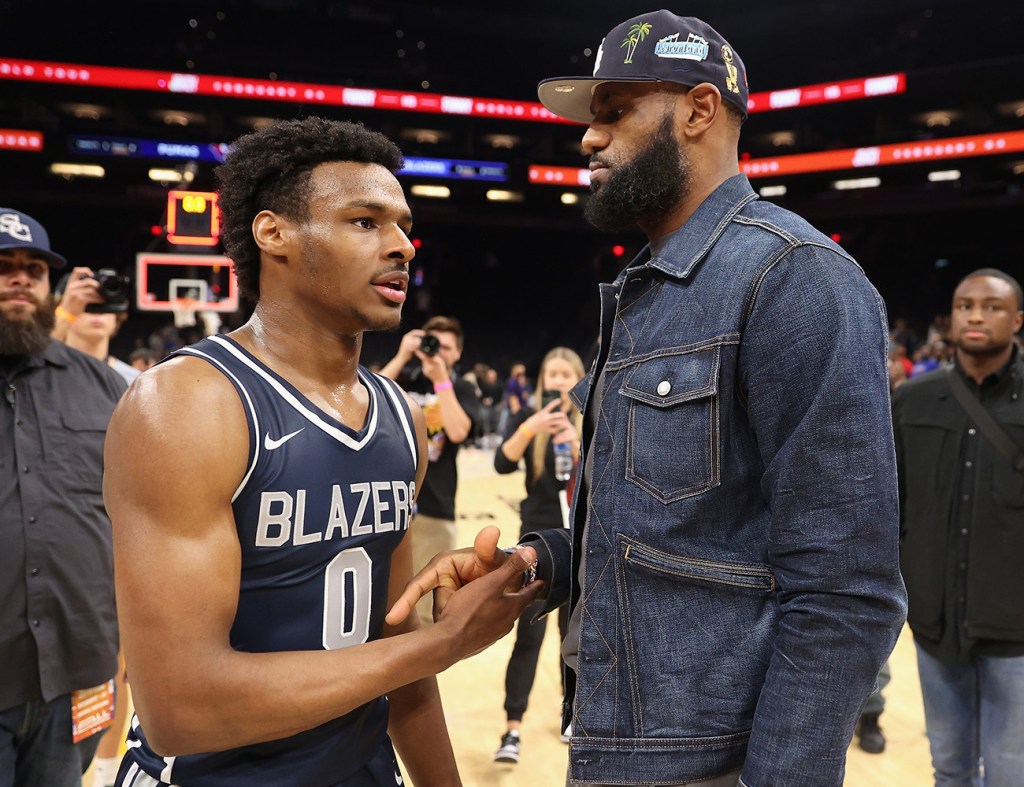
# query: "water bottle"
563,461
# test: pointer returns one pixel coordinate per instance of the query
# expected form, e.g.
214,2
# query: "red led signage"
396,100
272,90
559,176
832,160
19,139
828,92
884,155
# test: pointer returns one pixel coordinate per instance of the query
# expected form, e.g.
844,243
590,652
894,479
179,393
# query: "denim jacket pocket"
672,433
707,636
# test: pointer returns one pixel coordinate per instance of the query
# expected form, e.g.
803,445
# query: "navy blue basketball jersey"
319,512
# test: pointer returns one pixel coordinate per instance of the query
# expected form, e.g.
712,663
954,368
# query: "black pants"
522,667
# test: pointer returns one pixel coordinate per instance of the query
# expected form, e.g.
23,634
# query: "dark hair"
995,273
442,324
270,169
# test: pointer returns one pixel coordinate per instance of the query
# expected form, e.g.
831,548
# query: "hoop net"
184,310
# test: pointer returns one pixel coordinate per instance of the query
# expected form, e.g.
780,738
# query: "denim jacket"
741,585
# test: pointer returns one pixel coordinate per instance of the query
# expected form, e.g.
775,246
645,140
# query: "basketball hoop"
184,312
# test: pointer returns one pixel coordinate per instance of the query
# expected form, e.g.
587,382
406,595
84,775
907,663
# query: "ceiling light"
77,170
940,118
940,175
85,111
502,141
426,136
568,198
434,192
500,195
772,191
857,183
165,175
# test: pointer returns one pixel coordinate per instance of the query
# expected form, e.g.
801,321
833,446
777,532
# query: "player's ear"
271,233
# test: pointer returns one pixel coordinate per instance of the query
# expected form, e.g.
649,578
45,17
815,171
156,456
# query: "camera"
429,344
114,288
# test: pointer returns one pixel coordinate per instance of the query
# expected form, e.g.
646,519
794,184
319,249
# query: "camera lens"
429,344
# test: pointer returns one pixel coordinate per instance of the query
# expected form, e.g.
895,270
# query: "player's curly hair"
270,169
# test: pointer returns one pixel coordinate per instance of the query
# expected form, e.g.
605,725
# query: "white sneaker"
509,750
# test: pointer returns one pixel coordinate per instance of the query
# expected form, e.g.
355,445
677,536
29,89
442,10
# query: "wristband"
447,385
527,431
64,314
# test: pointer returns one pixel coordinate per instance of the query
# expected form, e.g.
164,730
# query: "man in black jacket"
962,535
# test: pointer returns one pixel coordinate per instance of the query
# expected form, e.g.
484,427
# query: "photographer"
450,406
89,330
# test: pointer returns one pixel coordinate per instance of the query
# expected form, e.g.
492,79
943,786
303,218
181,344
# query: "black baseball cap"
20,231
653,47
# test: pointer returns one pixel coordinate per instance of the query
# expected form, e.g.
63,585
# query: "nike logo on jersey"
270,444
398,778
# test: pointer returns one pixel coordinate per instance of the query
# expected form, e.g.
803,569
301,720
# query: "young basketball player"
261,486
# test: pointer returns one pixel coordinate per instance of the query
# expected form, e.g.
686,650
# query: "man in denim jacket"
732,568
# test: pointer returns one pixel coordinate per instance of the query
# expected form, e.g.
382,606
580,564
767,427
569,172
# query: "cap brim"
53,259
570,97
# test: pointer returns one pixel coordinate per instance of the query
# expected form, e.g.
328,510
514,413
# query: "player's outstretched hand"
485,609
449,571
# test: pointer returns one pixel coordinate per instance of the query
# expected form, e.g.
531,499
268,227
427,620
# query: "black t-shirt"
541,509
437,497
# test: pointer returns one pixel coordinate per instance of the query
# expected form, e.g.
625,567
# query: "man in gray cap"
58,628
732,568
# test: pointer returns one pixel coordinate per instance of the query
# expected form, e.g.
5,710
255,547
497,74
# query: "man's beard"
29,334
648,186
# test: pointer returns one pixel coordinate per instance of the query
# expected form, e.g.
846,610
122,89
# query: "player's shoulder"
182,390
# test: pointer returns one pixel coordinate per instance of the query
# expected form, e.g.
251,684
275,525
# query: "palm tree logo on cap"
637,33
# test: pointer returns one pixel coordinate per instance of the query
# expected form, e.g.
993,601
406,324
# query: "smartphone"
547,397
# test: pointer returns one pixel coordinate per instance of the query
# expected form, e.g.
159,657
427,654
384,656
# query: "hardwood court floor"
473,690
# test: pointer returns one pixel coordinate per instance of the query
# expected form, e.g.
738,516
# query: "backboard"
162,280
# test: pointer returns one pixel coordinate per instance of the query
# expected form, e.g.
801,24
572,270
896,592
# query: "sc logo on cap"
10,223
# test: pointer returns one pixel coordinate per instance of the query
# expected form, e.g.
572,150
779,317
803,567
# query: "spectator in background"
58,627
959,442
491,391
925,359
898,353
141,359
903,334
87,331
449,405
530,435
517,389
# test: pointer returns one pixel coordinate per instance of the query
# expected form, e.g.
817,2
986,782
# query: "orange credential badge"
92,710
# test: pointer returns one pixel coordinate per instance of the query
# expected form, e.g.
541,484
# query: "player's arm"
177,448
416,722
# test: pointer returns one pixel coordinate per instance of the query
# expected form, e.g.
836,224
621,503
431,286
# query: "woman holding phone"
531,435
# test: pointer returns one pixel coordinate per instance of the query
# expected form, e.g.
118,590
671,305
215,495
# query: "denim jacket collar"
688,245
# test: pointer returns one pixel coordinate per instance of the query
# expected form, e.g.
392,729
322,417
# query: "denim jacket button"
664,387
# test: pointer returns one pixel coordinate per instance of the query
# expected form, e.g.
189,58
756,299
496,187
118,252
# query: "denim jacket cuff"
554,566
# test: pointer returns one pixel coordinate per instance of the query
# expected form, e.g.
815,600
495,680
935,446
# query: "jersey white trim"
390,387
165,774
304,411
252,412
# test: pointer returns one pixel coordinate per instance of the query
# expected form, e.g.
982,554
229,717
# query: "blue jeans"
974,715
36,748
